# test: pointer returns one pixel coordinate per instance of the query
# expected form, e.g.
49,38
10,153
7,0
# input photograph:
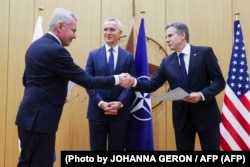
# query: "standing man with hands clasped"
48,68
109,109
201,77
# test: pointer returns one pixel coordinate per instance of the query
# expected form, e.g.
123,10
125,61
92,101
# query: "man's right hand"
126,80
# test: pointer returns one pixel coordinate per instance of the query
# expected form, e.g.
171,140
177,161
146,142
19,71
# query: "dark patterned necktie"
111,62
183,68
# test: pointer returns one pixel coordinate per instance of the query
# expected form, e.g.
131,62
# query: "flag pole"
142,12
237,15
40,9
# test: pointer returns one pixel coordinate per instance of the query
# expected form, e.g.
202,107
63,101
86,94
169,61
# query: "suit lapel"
103,59
120,59
192,60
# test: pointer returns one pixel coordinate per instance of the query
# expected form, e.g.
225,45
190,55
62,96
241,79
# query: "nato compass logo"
141,107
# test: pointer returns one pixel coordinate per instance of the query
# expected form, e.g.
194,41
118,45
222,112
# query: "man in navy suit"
199,112
109,109
48,69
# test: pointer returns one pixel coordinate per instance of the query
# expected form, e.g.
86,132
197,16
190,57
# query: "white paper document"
176,94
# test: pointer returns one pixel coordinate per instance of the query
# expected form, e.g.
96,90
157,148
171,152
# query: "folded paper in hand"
175,94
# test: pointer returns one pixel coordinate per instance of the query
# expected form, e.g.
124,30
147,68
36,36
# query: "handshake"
126,80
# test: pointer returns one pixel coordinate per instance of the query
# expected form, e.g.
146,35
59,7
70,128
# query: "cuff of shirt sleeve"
100,103
202,97
116,80
135,82
121,105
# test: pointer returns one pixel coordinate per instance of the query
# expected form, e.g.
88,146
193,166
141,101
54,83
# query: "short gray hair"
119,24
180,28
61,15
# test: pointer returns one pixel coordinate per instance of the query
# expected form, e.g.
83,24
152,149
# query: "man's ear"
183,35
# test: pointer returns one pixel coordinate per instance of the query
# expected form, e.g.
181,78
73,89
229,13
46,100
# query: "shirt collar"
186,49
51,33
114,48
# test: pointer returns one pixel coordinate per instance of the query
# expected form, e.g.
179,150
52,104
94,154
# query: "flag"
38,32
235,125
140,134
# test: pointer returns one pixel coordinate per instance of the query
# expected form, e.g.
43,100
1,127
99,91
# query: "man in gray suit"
201,77
48,69
109,109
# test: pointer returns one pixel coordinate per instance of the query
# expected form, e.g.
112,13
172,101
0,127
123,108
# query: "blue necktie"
183,68
111,62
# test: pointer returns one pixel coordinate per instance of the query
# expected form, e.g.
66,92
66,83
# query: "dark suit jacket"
204,76
48,68
97,66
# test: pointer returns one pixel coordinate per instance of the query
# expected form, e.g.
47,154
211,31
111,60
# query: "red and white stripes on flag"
235,125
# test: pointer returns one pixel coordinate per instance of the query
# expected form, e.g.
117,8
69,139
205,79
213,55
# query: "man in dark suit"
48,68
108,109
199,112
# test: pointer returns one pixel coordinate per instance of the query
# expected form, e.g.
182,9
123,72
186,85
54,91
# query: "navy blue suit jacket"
48,68
204,76
97,66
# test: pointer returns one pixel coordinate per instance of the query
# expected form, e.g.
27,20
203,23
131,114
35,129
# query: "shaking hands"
126,80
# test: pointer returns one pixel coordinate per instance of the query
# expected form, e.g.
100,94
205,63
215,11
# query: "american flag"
235,125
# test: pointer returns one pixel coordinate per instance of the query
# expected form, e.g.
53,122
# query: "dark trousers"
209,138
107,135
37,149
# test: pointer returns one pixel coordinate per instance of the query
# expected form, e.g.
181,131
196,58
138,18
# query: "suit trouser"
209,138
37,149
108,135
